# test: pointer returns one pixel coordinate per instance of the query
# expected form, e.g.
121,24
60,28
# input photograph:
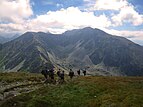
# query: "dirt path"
10,90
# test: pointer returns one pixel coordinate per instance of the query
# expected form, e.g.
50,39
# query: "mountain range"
92,49
3,39
6,38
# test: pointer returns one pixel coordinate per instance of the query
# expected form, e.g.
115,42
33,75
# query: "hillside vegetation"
89,91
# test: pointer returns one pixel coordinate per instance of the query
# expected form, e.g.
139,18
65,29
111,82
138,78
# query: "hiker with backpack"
45,73
62,76
59,75
59,72
71,74
84,72
51,74
78,72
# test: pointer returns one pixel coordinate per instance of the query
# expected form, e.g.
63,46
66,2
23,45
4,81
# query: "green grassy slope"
11,77
84,92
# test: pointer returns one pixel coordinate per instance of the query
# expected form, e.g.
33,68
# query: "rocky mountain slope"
101,53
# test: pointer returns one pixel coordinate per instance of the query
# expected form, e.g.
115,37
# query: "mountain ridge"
100,52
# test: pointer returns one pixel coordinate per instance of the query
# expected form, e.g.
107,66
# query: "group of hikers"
50,74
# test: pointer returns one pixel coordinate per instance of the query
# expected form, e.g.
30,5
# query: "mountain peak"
88,28
27,33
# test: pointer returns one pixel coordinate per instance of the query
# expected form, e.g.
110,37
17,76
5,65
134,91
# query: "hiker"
84,72
62,76
71,74
44,72
59,72
78,72
59,75
51,73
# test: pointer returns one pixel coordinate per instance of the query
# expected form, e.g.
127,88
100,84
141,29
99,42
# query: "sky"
117,17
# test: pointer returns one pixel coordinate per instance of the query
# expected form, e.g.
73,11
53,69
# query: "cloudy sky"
118,17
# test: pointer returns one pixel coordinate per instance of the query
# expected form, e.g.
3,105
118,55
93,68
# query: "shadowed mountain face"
102,53
24,53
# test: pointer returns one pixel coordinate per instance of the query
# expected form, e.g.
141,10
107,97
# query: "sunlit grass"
82,91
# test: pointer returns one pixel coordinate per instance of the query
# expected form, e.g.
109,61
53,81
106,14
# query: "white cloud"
59,21
67,19
11,27
45,2
110,4
59,5
128,14
121,11
105,4
137,35
15,10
